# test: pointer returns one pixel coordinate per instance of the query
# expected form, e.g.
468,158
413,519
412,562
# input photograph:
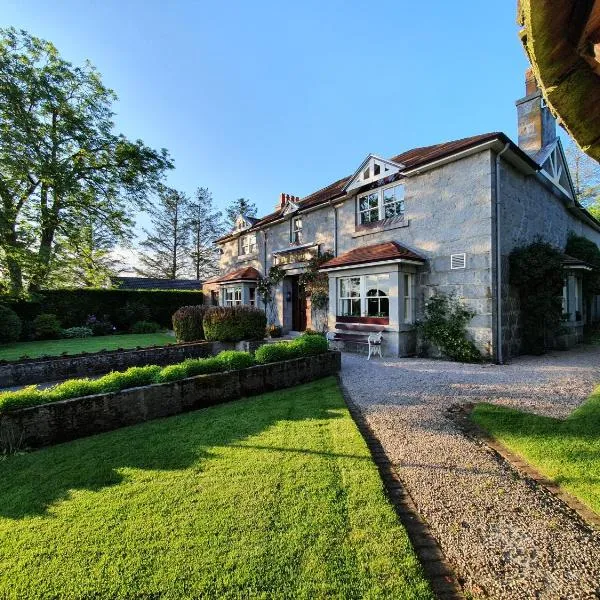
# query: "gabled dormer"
372,169
243,222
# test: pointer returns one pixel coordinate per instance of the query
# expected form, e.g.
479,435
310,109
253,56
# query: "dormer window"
248,244
381,204
296,230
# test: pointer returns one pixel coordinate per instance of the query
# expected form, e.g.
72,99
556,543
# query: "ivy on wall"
537,272
584,249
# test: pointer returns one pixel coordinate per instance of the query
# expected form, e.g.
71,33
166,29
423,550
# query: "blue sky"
257,98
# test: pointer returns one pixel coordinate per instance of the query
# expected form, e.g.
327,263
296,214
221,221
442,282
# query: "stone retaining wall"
79,417
97,363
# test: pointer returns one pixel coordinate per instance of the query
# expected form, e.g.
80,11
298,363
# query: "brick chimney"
284,199
537,126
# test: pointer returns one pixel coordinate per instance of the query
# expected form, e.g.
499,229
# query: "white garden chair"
375,343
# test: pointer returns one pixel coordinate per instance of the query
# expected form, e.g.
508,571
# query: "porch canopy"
245,274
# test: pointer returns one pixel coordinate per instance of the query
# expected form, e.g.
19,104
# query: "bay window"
252,296
364,296
248,244
233,296
408,297
377,205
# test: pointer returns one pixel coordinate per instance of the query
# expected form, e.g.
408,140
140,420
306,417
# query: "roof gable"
372,169
555,167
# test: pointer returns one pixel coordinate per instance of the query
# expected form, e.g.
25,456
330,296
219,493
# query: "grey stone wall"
529,209
80,417
97,363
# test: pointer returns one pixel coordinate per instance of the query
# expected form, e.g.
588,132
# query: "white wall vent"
458,261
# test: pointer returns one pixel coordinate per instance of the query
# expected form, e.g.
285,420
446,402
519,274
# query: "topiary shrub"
47,327
233,360
145,327
77,332
234,323
536,270
273,353
444,325
188,323
10,325
306,345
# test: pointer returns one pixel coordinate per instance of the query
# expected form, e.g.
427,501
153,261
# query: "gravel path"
505,538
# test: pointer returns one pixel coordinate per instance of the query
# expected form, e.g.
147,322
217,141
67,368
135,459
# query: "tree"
585,173
241,206
205,225
166,247
60,159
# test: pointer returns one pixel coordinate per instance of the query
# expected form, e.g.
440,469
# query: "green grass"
76,346
566,451
270,497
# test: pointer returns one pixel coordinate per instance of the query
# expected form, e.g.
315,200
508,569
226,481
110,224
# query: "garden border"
67,420
59,368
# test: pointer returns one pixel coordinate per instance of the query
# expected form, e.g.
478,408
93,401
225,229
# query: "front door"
298,306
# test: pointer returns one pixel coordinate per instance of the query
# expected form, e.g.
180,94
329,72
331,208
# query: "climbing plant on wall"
315,284
586,250
265,288
536,270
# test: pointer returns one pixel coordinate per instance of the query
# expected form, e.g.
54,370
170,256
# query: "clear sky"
256,98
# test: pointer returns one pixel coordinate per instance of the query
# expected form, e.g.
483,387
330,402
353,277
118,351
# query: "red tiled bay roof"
374,253
243,274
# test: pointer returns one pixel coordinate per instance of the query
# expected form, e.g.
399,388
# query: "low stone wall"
83,365
79,417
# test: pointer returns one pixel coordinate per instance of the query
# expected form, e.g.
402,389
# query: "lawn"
270,497
566,451
76,346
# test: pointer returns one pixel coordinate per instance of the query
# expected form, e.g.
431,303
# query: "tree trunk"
48,224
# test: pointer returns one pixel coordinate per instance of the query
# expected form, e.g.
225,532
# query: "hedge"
121,307
187,323
234,323
228,360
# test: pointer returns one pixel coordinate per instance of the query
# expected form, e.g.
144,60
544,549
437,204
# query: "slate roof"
410,159
243,274
375,253
148,283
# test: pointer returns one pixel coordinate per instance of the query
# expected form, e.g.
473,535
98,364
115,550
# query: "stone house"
437,218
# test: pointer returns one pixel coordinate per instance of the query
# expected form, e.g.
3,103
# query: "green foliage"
567,451
100,326
315,283
584,249
63,165
241,206
77,332
47,327
188,323
233,360
305,345
536,270
234,323
10,325
246,486
145,327
265,287
444,325
75,305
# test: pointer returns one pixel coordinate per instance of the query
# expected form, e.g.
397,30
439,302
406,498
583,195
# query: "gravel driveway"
505,538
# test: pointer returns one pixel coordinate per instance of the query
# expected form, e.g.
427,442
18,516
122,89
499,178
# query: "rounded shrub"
188,323
77,332
47,327
145,327
234,323
10,325
233,360
273,353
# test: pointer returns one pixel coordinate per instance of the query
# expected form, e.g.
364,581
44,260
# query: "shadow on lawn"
31,483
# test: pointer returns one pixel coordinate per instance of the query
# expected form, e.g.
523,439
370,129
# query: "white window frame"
408,303
362,297
295,231
381,204
248,244
233,295
252,296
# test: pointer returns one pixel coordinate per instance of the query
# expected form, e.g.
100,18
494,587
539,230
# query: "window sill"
365,320
247,257
378,226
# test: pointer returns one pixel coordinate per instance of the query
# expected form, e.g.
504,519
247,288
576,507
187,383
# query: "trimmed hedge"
47,327
234,323
228,360
145,327
122,307
10,325
187,323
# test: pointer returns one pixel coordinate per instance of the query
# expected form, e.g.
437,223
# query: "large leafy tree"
241,206
205,224
60,159
585,172
164,253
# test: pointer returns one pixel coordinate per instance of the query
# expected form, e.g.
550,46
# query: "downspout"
499,355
